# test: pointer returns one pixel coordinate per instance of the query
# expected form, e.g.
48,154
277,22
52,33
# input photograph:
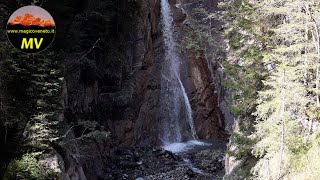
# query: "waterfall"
175,108
189,110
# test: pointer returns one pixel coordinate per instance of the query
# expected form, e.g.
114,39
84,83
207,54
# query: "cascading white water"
175,109
189,110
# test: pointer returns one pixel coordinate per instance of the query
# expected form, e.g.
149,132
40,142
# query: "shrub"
27,168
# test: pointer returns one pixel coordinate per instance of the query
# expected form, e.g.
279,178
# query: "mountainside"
108,59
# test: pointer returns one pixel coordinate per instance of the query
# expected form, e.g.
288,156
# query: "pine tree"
286,112
290,91
245,71
278,129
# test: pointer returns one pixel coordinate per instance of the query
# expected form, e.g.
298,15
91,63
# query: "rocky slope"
154,163
125,99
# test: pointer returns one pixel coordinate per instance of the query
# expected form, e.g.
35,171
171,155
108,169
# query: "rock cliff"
124,97
113,53
112,74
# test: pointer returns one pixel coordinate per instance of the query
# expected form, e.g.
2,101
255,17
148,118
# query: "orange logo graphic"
31,29
30,20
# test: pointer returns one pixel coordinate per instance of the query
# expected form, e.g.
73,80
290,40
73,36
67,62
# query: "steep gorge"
134,97
127,103
113,55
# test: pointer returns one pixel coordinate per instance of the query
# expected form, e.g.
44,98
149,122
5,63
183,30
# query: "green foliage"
244,67
30,84
273,74
314,113
30,93
243,145
289,93
26,168
235,39
245,73
191,41
45,89
197,38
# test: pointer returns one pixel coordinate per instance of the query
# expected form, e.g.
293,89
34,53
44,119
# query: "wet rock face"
124,96
209,120
146,57
111,76
204,91
204,75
